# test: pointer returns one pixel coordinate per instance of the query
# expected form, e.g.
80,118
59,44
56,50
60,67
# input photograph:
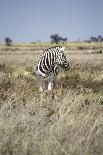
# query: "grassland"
65,121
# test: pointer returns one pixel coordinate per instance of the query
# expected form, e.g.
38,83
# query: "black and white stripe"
47,65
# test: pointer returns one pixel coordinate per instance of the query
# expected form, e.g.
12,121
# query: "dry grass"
66,121
16,47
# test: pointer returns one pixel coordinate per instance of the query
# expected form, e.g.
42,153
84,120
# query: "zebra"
46,68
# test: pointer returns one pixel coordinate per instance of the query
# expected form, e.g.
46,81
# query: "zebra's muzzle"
66,66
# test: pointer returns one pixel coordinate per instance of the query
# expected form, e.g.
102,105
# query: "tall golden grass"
65,121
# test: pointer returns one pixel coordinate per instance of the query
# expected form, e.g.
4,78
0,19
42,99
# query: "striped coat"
46,68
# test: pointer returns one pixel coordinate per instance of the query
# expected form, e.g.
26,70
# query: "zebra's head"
61,59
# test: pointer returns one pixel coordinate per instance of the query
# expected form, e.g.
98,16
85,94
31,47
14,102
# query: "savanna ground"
65,121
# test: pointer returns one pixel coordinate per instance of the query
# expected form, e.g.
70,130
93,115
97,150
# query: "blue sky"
33,20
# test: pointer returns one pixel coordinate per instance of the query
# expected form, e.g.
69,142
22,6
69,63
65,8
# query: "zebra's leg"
50,85
51,82
43,85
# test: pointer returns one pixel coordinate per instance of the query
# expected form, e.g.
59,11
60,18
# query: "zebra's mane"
51,48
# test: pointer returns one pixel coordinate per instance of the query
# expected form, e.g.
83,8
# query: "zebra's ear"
62,48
